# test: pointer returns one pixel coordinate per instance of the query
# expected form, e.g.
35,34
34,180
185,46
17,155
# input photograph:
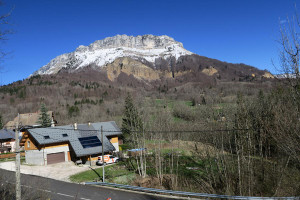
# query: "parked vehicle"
108,159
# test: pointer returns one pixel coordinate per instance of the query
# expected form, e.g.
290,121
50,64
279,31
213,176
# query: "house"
7,141
69,143
26,119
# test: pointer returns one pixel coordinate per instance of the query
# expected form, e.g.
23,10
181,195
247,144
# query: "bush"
183,112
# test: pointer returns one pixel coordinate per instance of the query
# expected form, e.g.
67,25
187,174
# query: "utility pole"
103,171
18,176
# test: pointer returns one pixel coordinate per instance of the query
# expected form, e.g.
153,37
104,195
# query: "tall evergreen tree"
44,118
131,119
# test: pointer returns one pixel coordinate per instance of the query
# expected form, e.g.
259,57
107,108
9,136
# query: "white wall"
34,157
39,157
116,145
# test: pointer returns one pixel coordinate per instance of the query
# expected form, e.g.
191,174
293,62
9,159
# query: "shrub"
183,112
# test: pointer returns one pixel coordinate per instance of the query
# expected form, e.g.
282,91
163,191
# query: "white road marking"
84,198
64,194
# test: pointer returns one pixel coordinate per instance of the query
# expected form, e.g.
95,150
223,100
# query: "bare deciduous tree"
289,64
289,53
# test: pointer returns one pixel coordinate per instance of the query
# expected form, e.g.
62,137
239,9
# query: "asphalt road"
59,190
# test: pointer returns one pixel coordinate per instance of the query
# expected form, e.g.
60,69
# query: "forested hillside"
88,95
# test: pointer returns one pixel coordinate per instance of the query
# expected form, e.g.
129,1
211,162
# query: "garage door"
55,158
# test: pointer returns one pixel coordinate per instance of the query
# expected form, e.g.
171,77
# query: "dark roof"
26,119
83,130
6,134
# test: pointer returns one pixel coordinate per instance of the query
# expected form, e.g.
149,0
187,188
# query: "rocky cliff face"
138,70
140,42
103,52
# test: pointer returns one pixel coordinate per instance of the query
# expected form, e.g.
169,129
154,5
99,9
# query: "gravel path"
59,171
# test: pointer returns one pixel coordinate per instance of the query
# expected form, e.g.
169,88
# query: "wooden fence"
10,155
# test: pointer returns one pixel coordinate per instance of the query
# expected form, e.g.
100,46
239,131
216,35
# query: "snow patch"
105,51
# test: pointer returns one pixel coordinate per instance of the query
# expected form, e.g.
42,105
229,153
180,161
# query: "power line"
146,131
158,131
78,129
151,131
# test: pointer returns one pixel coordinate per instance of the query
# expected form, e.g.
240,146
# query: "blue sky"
237,31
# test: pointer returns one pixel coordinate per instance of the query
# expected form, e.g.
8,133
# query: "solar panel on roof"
88,142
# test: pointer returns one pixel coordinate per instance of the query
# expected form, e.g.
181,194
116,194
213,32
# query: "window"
46,137
65,135
88,142
28,144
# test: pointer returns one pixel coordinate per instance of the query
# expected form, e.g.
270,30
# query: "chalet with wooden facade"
7,141
69,143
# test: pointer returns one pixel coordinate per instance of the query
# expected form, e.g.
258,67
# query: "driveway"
59,171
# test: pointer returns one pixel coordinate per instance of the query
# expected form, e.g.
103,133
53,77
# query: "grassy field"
171,103
116,173
123,174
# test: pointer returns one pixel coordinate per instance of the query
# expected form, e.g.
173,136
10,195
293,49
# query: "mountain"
148,58
102,52
91,83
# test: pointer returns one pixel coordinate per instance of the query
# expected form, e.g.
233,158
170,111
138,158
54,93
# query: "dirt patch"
187,147
153,182
150,182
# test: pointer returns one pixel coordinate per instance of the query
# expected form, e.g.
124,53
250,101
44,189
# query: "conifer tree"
133,133
44,118
131,119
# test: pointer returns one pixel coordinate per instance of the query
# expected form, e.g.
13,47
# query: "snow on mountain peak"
102,52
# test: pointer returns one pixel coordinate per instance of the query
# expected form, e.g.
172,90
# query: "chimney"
52,122
75,126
